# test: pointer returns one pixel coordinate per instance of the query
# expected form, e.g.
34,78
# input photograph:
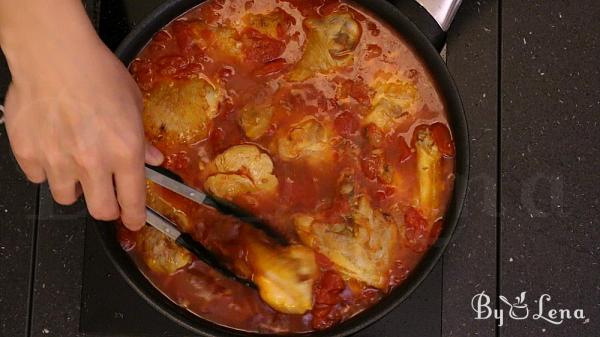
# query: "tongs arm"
186,241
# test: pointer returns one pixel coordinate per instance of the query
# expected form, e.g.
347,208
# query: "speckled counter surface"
529,76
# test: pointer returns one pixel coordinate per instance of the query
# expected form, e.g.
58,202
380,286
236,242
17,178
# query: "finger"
100,196
63,189
32,170
29,162
131,195
62,176
153,155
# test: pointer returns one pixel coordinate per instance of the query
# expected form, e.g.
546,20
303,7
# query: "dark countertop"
529,77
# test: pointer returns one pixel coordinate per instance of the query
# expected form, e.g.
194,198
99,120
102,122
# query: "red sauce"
187,49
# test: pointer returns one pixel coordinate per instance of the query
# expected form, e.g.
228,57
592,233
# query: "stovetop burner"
111,308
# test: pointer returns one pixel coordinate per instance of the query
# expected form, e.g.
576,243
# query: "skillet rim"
141,34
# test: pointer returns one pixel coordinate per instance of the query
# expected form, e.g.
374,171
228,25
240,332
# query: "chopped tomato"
385,192
346,123
399,149
443,139
415,230
373,51
374,135
375,166
403,150
327,296
372,27
370,165
259,47
328,289
355,89
360,92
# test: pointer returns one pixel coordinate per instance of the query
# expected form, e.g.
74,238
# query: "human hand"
73,117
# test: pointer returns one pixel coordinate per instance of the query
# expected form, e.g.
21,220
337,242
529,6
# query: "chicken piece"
180,112
429,172
393,101
255,121
329,45
239,170
215,40
274,24
284,276
362,248
309,139
157,201
161,254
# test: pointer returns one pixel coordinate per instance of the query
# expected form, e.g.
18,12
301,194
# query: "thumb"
153,155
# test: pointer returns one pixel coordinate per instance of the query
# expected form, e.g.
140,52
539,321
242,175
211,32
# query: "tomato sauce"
251,60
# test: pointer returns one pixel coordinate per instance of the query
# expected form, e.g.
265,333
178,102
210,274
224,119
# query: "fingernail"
154,156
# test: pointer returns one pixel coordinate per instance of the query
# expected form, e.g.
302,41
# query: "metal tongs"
164,225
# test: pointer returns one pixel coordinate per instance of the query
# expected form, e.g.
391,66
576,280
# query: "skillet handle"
433,17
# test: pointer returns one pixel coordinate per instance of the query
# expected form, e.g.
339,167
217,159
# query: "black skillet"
427,36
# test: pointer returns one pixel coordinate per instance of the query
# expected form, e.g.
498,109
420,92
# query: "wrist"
32,34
